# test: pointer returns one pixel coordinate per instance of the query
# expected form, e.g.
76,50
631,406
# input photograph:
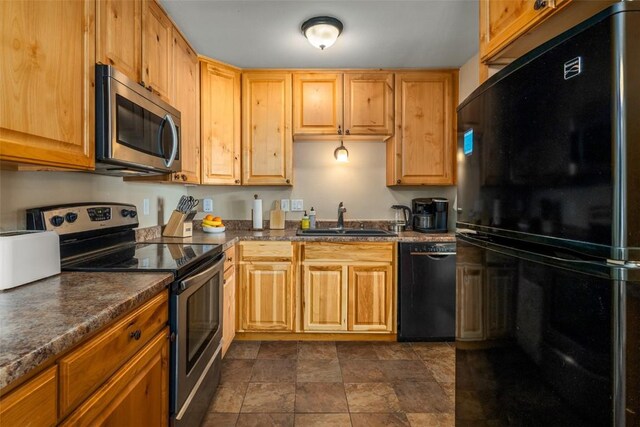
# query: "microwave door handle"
174,137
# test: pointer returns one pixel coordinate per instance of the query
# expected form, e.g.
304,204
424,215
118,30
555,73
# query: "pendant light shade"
341,154
322,31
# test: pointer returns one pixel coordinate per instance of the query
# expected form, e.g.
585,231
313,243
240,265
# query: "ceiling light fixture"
341,154
322,31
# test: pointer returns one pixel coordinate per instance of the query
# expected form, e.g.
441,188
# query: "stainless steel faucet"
341,211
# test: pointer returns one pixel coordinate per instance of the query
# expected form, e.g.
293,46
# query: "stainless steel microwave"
136,132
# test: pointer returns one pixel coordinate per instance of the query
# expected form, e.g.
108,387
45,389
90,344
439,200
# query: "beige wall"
22,190
323,183
469,78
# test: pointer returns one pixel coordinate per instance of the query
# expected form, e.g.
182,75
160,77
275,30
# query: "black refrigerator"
548,234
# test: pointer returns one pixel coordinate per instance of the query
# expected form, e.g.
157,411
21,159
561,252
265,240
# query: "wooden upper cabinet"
185,95
157,42
266,129
368,104
317,105
119,36
47,75
511,28
422,151
220,123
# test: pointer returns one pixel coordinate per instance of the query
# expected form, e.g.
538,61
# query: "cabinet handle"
339,130
136,334
348,132
230,259
540,4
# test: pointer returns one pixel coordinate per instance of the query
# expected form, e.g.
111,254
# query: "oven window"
138,129
203,319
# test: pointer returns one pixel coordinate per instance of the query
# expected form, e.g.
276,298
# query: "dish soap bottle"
312,218
304,223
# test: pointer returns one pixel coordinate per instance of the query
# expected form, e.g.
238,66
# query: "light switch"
297,205
284,205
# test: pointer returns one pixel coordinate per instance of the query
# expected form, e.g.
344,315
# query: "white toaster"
26,256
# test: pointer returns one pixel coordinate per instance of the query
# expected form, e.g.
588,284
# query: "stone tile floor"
369,384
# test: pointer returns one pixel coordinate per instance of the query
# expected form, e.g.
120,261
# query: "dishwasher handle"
432,254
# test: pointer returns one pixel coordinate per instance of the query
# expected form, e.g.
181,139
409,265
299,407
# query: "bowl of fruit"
212,224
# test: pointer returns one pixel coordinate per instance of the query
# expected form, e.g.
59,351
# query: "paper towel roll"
257,213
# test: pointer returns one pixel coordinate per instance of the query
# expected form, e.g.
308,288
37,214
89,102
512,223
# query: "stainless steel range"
101,237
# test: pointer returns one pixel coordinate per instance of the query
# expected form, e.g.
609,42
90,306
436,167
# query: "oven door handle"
201,276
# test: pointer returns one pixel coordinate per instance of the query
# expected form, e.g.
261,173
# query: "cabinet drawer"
348,252
230,259
92,363
266,251
33,403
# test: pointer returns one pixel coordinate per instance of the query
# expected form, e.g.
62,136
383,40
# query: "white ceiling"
377,34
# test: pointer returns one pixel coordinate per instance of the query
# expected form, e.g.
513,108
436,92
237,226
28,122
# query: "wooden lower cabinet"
325,298
33,403
229,300
370,298
137,395
348,287
469,302
267,297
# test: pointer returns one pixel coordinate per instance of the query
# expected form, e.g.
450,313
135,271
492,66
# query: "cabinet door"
502,21
220,110
47,72
317,105
119,36
370,298
499,317
157,32
229,314
266,134
368,104
136,395
325,298
186,100
266,297
469,303
33,403
425,139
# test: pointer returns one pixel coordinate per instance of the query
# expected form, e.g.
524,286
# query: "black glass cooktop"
176,258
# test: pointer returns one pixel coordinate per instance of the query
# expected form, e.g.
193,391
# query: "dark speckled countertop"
45,318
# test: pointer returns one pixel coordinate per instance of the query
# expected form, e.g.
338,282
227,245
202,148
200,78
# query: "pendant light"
341,154
322,31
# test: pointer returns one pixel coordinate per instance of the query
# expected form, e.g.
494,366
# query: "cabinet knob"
339,130
176,176
288,181
184,177
136,334
348,132
399,181
230,259
237,181
540,4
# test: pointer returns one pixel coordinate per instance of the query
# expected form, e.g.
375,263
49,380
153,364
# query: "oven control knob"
133,214
57,220
71,217
125,213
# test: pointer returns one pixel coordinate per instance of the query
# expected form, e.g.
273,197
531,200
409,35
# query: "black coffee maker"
430,215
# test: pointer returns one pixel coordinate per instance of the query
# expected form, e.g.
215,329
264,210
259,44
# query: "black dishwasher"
427,291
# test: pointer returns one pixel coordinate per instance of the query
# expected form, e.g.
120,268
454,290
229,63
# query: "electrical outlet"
207,205
297,205
145,207
284,205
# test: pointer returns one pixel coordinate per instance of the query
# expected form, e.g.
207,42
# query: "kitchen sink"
346,232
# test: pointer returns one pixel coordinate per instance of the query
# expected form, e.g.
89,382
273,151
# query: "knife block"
180,224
